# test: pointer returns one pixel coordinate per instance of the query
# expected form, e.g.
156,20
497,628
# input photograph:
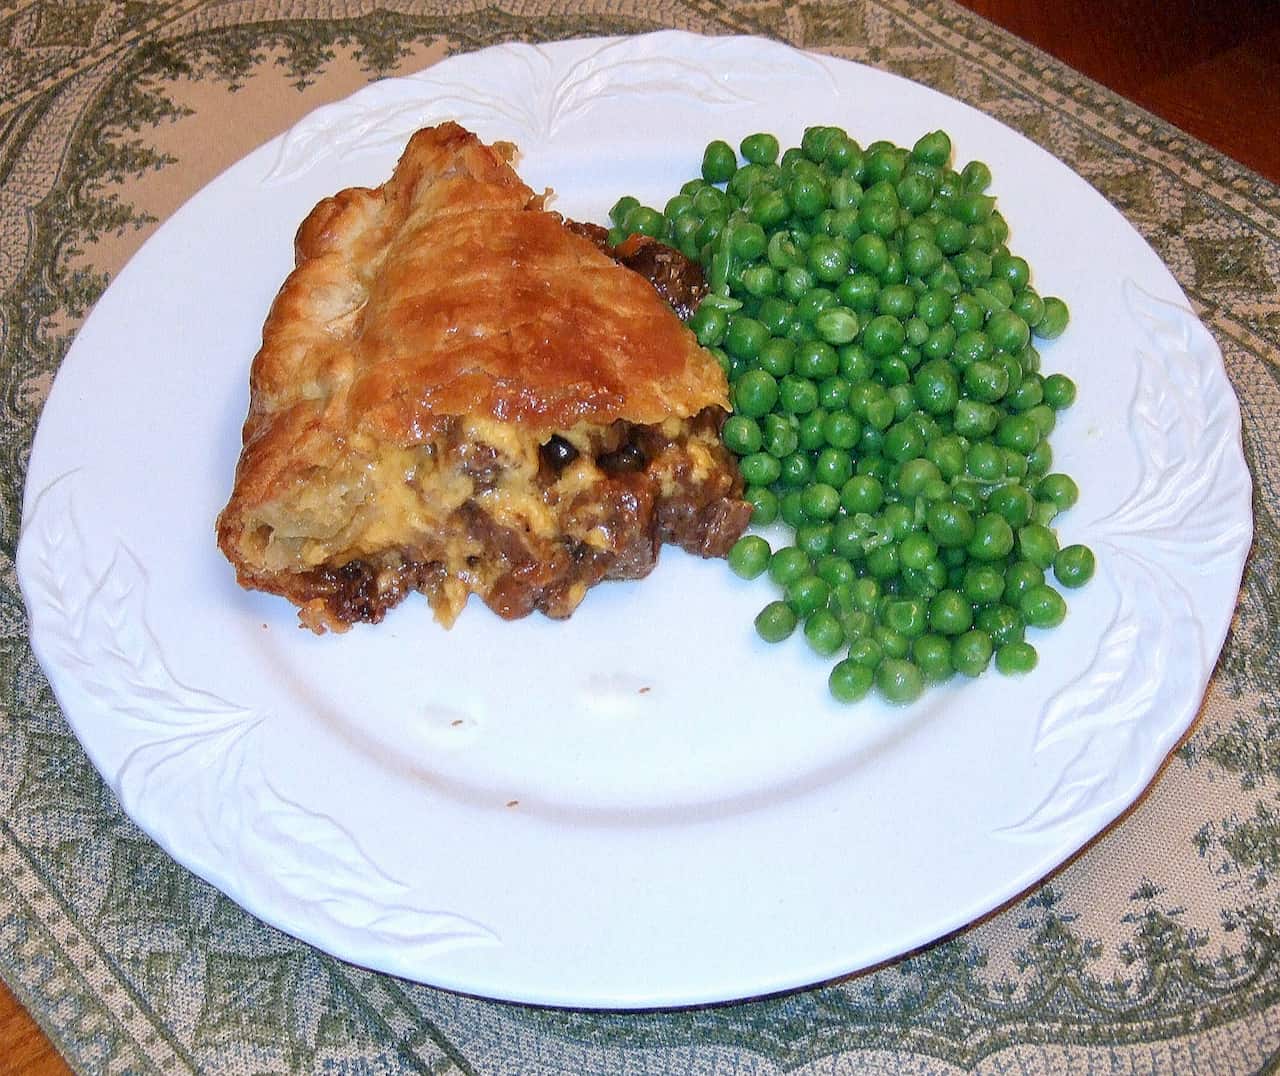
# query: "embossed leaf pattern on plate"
385,114
194,748
1186,435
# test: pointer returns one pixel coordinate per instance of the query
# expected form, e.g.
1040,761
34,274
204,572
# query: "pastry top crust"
449,291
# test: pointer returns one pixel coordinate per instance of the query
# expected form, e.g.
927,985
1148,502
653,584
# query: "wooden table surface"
1213,71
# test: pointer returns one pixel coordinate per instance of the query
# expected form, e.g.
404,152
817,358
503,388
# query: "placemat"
1155,950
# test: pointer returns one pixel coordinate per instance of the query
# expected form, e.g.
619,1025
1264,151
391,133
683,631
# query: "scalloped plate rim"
815,970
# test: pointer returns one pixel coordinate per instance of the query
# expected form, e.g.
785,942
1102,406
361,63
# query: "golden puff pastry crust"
437,334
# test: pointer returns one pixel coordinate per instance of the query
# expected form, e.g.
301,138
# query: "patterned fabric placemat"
1153,951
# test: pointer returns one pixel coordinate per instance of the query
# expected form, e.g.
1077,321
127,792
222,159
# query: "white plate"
644,805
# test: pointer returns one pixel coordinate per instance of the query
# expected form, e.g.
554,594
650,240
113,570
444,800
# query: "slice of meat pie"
458,393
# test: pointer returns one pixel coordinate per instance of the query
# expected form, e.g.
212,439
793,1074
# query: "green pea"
764,505
950,613
782,251
788,564
741,435
797,471
823,633
1018,432
949,523
915,475
1054,321
777,315
1040,459
749,242
850,681
745,337
922,257
1020,577
975,176
986,381
862,493
878,218
1044,418
883,336
797,282
1073,565
992,538
780,436
1026,394
1029,307
678,205
1059,391
837,326
933,148
1013,502
749,556
865,649
898,519
971,652
1008,331
835,571
876,332
761,148
791,509
871,253
975,419
1003,623
775,622
948,454
1038,544
985,461
899,681
719,162
967,314
807,594
933,307
841,430
1015,466
939,343
967,492
828,259
1011,269
755,393
820,501
807,195
982,584
1042,607
952,236
709,324
1015,659
932,656
815,539
917,551
1059,489
903,441
882,562
833,467
833,393
797,395
622,207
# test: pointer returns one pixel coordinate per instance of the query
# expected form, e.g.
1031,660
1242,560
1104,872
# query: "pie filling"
487,507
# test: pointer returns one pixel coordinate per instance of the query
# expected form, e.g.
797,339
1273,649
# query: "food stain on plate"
449,726
617,694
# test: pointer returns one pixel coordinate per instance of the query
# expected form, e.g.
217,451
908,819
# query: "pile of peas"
889,407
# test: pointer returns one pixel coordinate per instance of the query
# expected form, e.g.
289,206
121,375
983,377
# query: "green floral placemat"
1154,951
